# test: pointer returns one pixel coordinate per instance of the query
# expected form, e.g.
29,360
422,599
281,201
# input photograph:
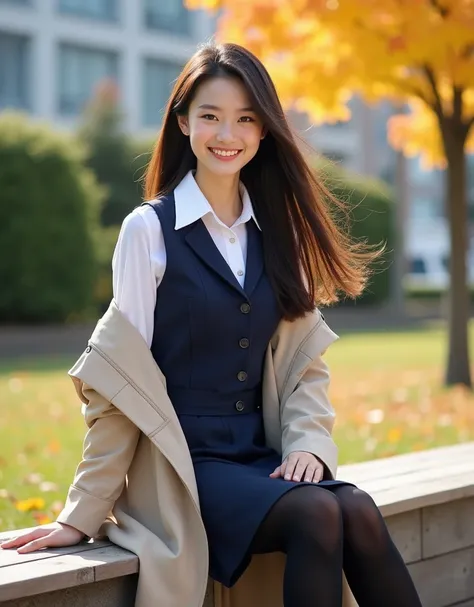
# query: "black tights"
323,531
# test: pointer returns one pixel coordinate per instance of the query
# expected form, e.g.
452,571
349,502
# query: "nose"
225,133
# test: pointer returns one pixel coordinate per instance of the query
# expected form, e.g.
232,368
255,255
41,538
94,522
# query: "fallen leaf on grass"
54,446
56,507
34,478
375,416
394,435
15,385
32,503
42,519
6,495
47,486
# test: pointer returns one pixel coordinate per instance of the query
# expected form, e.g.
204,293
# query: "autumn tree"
415,52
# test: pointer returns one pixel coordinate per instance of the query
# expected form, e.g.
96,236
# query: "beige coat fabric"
136,484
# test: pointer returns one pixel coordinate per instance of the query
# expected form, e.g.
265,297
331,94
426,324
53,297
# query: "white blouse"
139,259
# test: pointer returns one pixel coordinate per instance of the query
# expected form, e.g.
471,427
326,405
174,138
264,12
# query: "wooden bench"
427,499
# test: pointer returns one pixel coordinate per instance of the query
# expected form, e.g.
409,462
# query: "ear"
264,133
183,124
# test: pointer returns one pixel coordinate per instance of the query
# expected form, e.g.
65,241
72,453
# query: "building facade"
54,52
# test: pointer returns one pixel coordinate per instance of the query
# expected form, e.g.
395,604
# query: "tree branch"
438,105
457,102
443,11
469,124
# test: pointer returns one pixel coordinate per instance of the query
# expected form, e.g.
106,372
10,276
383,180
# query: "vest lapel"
254,266
199,239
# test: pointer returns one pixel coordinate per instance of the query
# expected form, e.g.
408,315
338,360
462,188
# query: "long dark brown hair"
309,259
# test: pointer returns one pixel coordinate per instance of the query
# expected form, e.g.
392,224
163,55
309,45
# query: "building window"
80,71
14,51
169,15
95,9
158,79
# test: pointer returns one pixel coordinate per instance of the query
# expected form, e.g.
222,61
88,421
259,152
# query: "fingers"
291,463
300,469
38,544
300,466
21,540
277,472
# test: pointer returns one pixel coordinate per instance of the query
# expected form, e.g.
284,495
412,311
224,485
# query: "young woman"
236,240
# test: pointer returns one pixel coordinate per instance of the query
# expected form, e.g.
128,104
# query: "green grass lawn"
386,388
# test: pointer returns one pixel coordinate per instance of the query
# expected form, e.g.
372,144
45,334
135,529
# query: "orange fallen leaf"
42,519
54,446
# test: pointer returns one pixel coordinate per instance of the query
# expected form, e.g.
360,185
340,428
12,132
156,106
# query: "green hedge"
117,160
49,207
371,213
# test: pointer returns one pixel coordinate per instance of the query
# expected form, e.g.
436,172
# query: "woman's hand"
53,535
300,466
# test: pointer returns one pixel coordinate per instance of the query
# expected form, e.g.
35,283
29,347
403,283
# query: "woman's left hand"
300,466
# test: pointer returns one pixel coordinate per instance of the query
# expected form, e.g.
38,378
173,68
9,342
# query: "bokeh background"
381,96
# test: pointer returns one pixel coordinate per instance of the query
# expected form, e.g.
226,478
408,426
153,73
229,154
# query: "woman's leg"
306,524
373,566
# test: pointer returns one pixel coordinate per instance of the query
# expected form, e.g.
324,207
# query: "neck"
222,193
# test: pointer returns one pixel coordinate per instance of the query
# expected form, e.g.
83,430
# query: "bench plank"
408,462
400,499
11,557
66,571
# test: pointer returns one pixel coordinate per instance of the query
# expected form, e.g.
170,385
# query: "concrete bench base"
117,592
427,500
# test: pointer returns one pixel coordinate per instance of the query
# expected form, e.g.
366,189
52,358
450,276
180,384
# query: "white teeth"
225,153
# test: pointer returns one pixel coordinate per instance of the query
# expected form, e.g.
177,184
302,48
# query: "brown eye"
209,117
247,119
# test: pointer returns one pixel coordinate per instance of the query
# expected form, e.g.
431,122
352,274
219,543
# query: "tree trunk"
458,369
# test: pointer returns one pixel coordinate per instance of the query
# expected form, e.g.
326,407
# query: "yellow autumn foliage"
320,52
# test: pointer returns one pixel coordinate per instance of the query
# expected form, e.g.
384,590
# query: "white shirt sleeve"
138,266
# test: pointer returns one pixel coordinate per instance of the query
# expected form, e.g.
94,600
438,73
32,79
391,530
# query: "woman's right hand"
53,535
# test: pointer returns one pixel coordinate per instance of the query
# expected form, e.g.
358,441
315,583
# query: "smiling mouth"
224,154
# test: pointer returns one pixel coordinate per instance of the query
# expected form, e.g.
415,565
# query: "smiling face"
223,129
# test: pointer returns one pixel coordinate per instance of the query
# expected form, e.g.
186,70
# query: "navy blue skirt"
232,467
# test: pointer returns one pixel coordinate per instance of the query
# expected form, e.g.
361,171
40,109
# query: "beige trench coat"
136,484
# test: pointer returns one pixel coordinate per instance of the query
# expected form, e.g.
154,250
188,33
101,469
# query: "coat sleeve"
307,416
109,446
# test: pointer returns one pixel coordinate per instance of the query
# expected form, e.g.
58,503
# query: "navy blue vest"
210,334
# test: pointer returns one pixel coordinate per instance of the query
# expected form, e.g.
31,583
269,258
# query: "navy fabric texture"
210,338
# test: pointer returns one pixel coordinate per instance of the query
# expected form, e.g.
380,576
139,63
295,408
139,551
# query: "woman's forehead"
223,93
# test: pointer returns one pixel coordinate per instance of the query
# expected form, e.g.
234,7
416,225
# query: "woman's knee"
363,523
317,517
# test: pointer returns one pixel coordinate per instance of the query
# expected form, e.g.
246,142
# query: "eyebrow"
206,106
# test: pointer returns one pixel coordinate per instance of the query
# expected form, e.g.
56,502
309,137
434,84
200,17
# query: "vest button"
245,308
244,342
241,375
239,405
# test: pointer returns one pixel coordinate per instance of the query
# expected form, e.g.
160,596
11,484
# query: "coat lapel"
199,239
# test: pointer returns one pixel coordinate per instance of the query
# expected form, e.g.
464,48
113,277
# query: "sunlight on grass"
386,389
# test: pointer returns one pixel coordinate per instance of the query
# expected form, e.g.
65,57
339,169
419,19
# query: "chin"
222,168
